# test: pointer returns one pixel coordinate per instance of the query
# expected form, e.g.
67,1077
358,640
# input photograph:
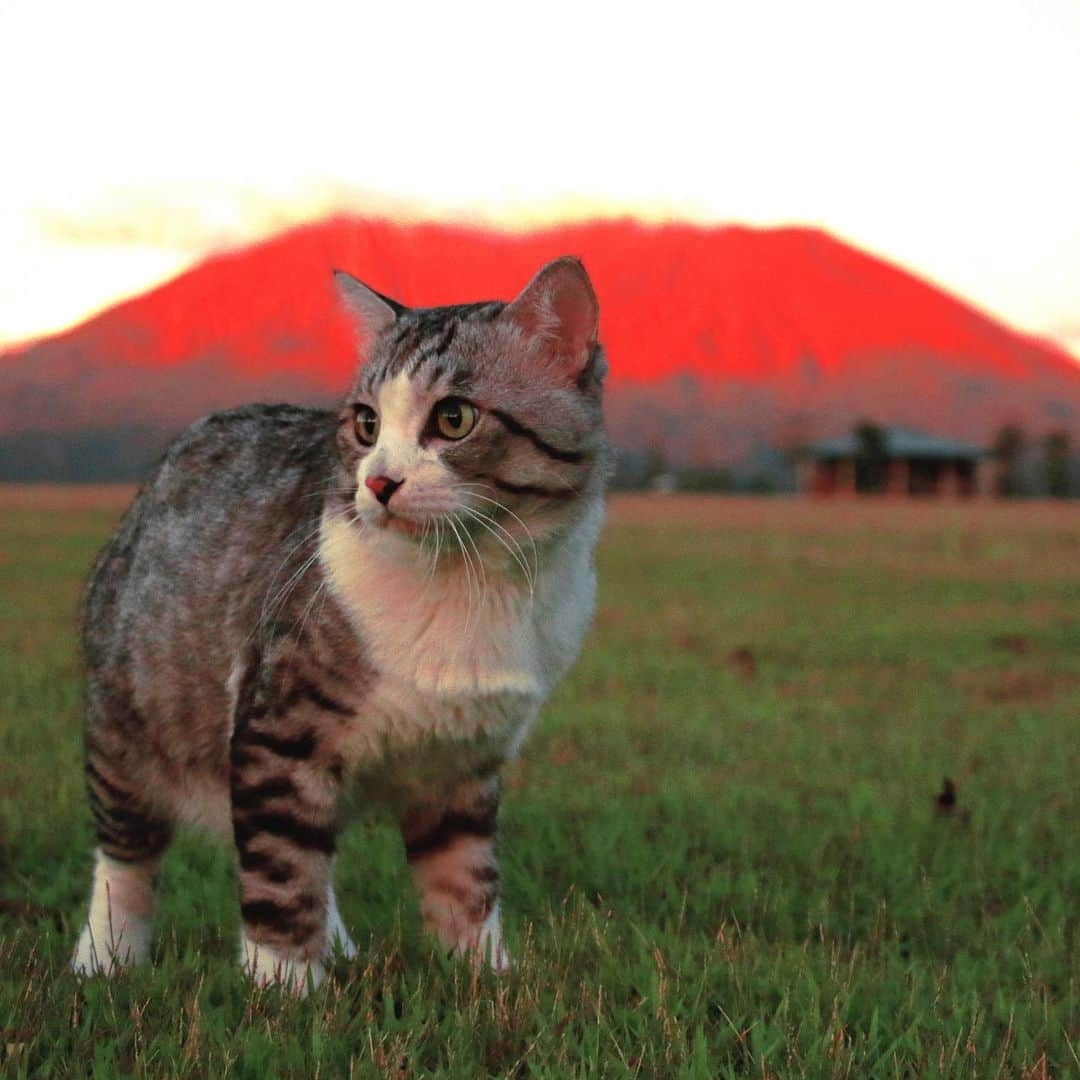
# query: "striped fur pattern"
302,617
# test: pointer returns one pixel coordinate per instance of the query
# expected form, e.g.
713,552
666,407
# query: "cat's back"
219,508
259,453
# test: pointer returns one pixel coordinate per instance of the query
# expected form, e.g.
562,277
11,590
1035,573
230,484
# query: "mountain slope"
717,337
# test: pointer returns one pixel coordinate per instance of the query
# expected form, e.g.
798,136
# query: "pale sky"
138,137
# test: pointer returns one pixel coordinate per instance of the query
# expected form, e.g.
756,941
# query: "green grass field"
722,849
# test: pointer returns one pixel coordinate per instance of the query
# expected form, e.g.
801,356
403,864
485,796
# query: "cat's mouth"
390,520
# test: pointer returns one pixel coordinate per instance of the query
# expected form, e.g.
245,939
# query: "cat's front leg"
451,849
284,804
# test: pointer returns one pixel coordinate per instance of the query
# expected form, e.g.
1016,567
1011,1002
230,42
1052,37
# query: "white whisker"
281,566
517,555
482,566
468,570
271,607
507,538
321,588
510,513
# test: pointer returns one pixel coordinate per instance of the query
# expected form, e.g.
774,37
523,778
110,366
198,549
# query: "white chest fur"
459,658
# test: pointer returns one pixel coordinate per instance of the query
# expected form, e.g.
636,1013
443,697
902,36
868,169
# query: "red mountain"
718,337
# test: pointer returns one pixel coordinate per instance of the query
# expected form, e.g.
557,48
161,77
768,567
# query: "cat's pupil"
452,413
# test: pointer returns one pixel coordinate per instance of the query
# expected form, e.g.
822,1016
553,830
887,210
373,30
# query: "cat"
305,612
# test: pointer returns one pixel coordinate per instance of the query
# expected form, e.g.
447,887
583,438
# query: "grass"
722,847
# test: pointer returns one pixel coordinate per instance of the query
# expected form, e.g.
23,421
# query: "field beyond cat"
806,806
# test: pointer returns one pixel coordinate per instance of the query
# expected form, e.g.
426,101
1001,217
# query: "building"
908,463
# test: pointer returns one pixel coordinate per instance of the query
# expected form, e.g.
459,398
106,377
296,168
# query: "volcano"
720,340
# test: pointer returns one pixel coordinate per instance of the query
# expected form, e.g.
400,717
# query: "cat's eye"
454,417
367,424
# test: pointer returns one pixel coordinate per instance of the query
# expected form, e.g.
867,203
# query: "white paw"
269,967
117,929
338,941
483,948
490,950
104,948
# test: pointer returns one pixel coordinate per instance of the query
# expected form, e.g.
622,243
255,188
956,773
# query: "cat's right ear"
371,311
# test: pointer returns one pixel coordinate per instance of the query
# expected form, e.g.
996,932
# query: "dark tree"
871,457
703,478
1008,452
637,467
1056,462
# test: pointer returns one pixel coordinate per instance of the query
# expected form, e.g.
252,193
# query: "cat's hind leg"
451,850
131,841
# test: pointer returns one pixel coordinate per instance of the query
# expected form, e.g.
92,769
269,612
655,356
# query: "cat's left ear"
559,309
372,312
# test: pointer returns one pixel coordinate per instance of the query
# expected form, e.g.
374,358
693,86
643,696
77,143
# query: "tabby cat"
307,610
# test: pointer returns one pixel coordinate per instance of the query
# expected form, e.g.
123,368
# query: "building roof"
901,443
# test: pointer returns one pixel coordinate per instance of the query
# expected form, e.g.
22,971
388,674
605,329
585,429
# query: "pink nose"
383,487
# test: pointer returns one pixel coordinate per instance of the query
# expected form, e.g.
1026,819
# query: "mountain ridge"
720,338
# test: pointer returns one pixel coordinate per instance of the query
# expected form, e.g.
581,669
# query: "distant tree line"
764,471
1028,466
1023,466
871,457
118,454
